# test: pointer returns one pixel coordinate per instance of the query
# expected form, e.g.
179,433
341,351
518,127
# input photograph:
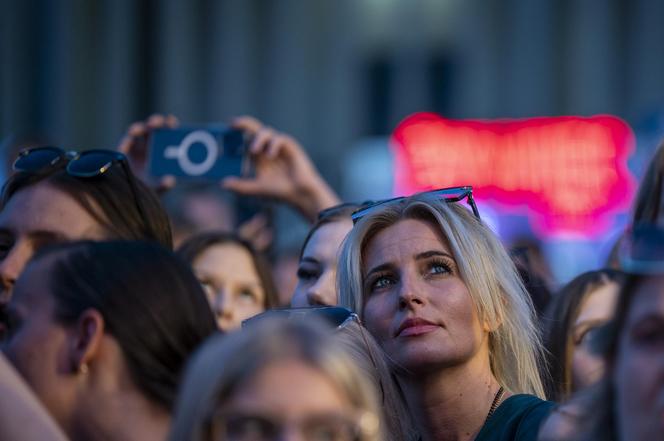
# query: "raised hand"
283,171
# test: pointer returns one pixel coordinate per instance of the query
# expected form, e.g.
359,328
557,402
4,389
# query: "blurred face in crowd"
36,216
37,346
638,375
317,271
597,309
232,284
288,400
417,306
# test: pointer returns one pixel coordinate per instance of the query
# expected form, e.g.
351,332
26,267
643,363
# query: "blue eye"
439,267
381,282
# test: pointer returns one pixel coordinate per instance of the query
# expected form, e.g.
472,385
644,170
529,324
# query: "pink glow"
568,174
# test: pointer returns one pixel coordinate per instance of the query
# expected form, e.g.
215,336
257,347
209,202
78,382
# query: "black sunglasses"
451,194
86,164
336,316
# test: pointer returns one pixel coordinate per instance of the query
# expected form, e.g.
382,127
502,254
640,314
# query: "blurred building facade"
330,72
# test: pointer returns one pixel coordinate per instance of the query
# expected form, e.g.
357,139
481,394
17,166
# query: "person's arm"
22,417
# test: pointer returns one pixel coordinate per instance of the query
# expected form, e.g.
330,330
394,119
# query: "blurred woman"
441,296
235,278
577,312
317,270
277,379
627,404
101,332
58,196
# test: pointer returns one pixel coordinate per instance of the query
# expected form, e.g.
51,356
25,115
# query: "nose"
11,267
408,297
323,292
222,305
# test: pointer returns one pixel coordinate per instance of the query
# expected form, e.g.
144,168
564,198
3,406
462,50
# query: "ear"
493,325
86,339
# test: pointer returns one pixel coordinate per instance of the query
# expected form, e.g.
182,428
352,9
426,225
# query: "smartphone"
208,152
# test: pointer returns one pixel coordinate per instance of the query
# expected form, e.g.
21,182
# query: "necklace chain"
496,401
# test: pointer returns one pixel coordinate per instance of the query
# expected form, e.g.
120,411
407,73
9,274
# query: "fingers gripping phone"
208,152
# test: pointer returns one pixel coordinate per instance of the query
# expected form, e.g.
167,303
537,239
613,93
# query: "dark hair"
647,203
329,215
534,272
194,246
558,322
150,300
108,198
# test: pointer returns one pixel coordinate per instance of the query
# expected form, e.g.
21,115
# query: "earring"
83,369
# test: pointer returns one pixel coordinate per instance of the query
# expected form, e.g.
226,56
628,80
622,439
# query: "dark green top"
518,418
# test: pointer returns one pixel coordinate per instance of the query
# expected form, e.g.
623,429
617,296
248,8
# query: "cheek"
638,380
37,354
377,317
245,310
587,368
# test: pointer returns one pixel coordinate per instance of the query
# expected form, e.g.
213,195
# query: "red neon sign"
569,173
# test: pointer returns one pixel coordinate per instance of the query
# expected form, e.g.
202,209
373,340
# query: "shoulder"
518,418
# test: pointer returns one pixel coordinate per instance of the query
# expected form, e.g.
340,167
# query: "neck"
126,417
450,404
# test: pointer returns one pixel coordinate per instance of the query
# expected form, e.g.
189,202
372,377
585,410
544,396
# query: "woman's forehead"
407,237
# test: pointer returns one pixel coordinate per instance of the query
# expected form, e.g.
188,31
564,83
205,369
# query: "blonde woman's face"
597,309
231,284
639,366
416,304
288,400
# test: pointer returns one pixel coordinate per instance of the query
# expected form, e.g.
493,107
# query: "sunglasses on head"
451,194
336,316
86,164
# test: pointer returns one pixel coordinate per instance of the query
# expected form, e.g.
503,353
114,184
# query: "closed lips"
414,323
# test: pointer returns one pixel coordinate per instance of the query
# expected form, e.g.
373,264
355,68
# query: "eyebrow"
47,235
433,253
650,316
420,256
36,234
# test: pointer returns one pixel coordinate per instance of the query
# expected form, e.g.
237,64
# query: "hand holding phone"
282,171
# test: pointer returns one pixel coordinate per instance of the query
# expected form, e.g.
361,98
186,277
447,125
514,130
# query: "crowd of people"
410,320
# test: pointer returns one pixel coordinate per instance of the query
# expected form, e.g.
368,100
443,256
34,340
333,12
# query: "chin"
420,359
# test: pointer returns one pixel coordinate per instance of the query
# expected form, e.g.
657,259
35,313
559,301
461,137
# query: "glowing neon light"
569,173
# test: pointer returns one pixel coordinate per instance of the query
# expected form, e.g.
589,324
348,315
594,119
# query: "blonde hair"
369,356
224,363
515,349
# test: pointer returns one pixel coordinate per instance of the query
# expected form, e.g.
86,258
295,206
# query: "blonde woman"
440,294
276,379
